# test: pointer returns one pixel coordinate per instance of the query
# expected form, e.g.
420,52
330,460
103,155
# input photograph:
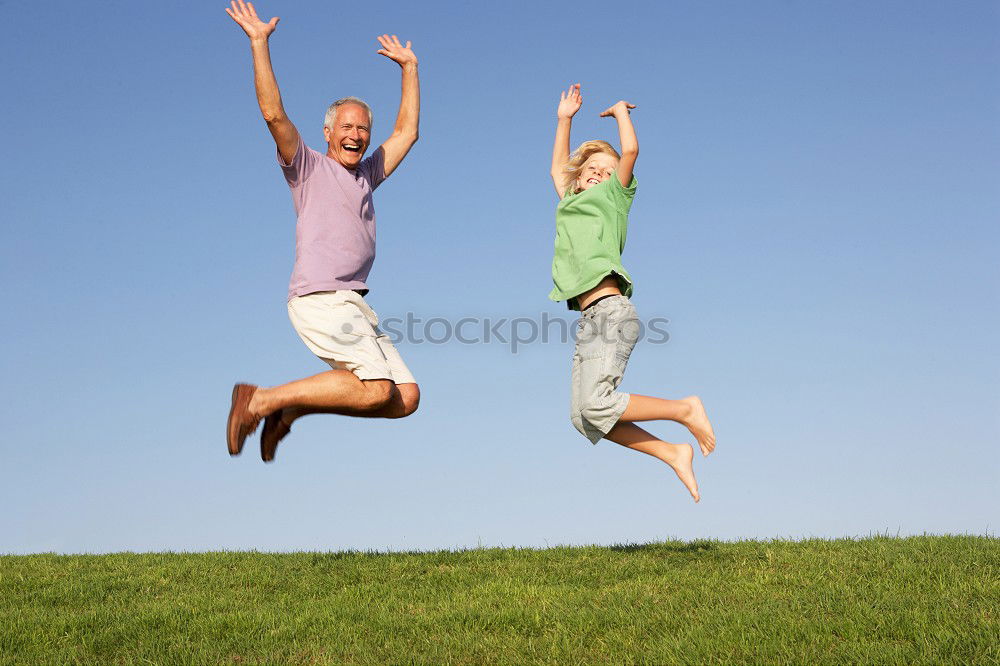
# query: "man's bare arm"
406,131
286,137
569,103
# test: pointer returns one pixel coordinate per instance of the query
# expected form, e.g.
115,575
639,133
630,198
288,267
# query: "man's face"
349,137
596,169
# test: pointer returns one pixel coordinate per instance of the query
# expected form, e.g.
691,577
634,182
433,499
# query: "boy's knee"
592,412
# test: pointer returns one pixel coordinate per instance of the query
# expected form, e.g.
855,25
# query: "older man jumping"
334,251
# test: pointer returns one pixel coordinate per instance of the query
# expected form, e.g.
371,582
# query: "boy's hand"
394,50
246,16
617,110
570,102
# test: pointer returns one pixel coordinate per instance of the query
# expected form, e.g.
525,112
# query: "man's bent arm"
406,131
286,137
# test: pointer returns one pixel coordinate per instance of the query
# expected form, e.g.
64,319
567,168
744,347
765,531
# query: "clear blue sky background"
817,216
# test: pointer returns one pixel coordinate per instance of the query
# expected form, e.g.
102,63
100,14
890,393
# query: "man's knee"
409,397
378,394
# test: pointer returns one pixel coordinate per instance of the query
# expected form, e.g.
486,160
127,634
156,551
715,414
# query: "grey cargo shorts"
605,335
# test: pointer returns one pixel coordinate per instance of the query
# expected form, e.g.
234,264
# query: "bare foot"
681,463
697,422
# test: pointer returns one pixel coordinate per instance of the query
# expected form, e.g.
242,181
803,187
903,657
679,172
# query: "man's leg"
335,391
403,401
689,412
362,347
678,456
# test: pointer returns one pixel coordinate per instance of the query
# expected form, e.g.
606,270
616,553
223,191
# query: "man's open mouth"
352,147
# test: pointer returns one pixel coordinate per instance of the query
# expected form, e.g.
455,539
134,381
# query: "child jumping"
595,186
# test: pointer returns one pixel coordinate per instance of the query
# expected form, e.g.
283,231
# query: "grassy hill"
887,600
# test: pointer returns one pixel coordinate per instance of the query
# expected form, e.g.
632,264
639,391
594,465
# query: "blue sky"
817,216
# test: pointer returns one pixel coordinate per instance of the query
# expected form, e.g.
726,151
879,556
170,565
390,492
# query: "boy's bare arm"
286,137
407,129
628,139
570,102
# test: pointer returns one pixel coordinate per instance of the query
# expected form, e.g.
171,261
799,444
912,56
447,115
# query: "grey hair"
331,113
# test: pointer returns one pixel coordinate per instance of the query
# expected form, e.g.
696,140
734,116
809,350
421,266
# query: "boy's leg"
689,412
678,456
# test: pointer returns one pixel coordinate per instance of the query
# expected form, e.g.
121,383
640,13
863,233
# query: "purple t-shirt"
335,232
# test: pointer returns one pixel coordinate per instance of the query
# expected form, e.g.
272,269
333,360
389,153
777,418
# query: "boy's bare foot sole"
697,422
682,465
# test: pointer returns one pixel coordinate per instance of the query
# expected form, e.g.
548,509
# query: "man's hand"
406,131
569,102
618,110
246,16
286,137
393,49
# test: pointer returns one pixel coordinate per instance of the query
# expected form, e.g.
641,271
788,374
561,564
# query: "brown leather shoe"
274,431
241,422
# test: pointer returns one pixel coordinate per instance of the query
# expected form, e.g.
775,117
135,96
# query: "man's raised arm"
406,131
286,137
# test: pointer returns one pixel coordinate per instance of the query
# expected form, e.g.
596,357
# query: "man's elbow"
274,116
409,137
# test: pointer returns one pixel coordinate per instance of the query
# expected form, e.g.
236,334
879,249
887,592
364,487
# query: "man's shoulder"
372,168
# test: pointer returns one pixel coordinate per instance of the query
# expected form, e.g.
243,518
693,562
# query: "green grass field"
887,600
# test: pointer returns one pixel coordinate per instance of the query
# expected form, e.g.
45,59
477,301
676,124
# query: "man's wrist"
410,67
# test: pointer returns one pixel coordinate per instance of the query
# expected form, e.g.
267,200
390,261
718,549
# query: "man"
334,251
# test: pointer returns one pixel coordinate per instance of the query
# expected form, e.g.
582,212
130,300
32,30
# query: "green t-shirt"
590,236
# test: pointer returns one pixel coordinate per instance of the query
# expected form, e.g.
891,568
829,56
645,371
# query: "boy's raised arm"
286,137
570,102
406,131
628,139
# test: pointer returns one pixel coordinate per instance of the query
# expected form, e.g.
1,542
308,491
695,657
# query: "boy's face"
596,169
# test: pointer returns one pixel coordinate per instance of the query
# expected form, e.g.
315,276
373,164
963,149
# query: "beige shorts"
340,328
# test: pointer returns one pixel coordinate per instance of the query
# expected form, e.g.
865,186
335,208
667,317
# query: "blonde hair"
580,156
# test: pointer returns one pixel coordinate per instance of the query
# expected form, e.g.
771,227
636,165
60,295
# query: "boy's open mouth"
593,181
